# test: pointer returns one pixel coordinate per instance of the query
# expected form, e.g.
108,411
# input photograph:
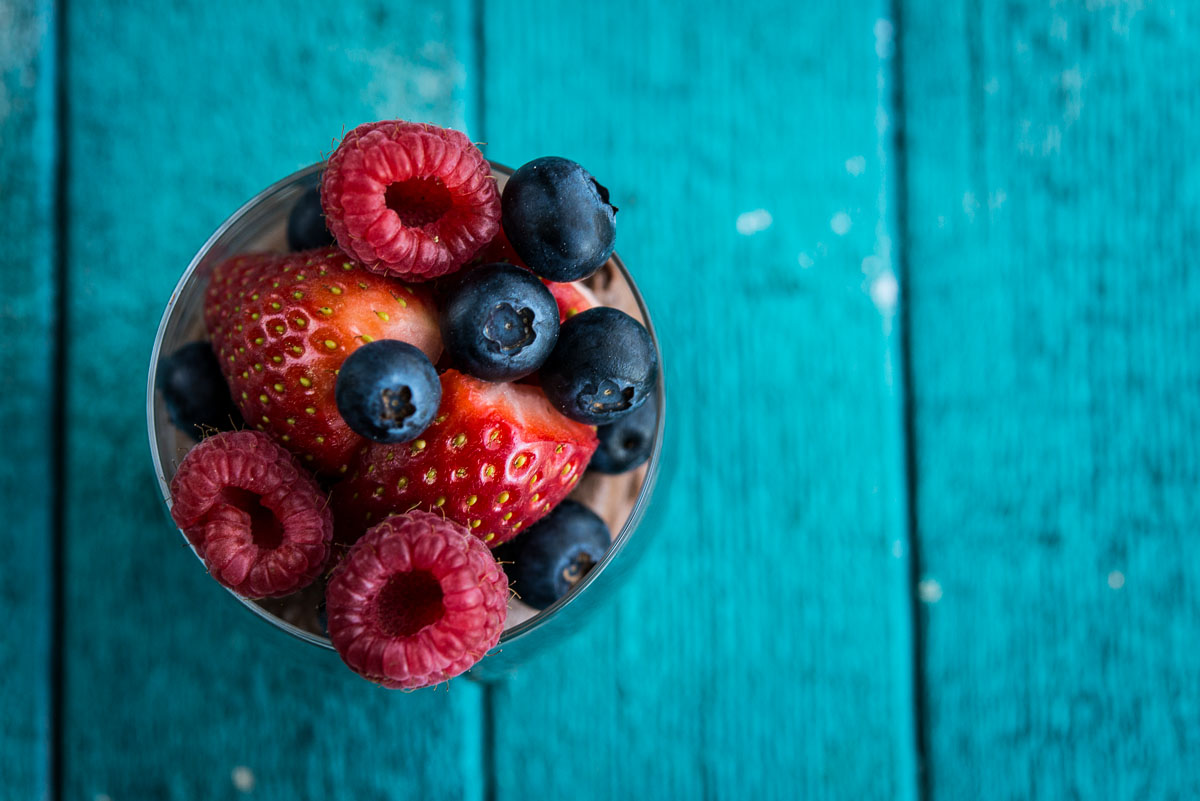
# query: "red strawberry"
497,458
572,298
282,325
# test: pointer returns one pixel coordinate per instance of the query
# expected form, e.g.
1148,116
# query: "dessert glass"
621,500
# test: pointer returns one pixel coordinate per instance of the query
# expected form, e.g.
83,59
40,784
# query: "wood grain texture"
175,118
762,650
1053,220
29,266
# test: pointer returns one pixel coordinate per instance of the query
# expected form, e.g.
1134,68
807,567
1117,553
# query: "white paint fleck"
856,165
840,223
929,591
941,221
970,205
992,86
881,121
805,261
885,290
884,32
897,549
751,222
1116,579
1058,28
419,85
996,199
243,778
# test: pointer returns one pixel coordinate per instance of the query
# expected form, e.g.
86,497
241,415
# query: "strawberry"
497,458
572,297
281,326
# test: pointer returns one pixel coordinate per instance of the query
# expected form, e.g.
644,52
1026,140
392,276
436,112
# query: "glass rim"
510,635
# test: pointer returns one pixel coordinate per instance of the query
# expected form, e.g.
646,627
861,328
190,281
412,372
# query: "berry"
409,200
306,223
572,298
496,458
603,367
626,443
195,392
499,249
283,325
558,219
260,522
388,391
499,322
551,558
416,602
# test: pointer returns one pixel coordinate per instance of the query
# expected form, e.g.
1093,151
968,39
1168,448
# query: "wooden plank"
29,267
176,117
1054,213
762,649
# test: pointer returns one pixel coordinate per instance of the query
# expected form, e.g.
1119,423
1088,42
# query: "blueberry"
555,553
195,392
602,368
387,391
306,224
498,322
626,443
558,219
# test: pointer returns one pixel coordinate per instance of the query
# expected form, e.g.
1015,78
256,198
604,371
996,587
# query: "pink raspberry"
409,200
260,523
416,601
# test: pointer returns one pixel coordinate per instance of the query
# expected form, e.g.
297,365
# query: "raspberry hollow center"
408,603
418,201
265,529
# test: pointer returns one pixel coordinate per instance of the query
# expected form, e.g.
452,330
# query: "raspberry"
409,200
259,522
416,601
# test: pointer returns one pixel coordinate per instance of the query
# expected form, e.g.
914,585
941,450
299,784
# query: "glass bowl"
621,500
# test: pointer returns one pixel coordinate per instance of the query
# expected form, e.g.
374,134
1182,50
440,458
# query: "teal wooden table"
925,278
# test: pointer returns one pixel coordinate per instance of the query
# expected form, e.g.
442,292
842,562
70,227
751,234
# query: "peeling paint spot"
856,165
884,32
897,549
929,591
1116,579
885,290
751,222
243,778
840,223
992,86
805,261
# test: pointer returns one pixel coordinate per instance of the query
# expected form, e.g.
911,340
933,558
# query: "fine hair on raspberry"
257,519
413,201
416,601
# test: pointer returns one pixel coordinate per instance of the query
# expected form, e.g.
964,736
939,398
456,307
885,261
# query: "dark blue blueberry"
555,553
558,219
626,443
387,391
498,322
603,367
306,224
195,392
